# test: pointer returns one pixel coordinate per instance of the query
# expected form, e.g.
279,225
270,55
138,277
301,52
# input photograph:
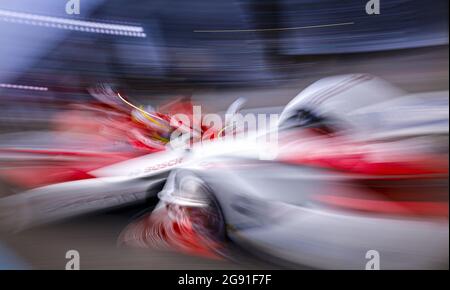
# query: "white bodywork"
268,205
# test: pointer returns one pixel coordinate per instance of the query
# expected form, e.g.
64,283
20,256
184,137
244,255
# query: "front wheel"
191,222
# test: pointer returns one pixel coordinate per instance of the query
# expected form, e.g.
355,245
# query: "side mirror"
234,108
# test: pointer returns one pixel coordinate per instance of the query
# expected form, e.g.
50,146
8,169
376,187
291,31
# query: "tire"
195,228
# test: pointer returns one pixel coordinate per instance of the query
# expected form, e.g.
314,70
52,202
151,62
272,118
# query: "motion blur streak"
22,87
111,145
176,232
61,23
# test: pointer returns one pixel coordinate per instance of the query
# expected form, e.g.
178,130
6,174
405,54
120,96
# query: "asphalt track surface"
95,238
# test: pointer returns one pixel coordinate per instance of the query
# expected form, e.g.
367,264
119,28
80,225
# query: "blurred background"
211,50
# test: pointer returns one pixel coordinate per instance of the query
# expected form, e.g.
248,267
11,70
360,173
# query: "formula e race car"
359,167
356,165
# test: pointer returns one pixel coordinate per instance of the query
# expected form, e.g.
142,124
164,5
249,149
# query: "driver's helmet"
150,119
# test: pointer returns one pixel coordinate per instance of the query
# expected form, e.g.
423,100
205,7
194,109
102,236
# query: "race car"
360,167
